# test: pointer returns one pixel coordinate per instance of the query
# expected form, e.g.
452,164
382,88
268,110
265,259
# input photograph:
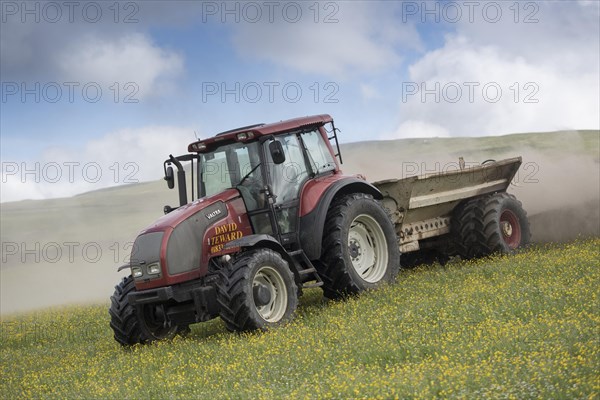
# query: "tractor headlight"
136,272
154,269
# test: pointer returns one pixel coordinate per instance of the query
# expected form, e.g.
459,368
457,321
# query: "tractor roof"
253,131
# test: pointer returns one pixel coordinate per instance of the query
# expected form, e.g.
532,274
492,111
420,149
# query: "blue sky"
169,70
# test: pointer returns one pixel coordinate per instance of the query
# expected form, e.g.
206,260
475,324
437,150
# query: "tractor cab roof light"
199,146
244,136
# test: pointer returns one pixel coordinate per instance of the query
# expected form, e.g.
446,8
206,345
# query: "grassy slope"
515,327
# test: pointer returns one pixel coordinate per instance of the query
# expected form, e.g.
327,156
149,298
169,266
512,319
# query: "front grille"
185,243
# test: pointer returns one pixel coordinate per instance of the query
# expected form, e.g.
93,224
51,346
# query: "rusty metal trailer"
468,207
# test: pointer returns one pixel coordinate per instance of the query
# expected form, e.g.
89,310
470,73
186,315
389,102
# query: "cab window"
319,156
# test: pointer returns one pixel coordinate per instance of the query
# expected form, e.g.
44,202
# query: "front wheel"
360,249
257,291
123,316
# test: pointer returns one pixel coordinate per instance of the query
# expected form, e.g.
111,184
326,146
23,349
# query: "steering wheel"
251,192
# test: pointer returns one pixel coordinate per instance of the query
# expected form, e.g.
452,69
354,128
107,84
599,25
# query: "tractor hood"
179,245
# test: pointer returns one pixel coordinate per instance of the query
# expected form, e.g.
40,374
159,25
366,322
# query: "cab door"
286,181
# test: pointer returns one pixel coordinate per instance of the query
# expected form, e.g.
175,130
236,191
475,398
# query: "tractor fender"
265,241
312,224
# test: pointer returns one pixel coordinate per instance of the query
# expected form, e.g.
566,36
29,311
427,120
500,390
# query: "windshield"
227,166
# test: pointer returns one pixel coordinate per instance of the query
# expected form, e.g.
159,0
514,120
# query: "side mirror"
170,177
277,153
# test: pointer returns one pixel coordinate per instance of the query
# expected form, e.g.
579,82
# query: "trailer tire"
123,316
505,224
257,291
360,248
469,240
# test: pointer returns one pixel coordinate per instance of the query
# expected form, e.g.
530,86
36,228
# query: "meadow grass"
524,326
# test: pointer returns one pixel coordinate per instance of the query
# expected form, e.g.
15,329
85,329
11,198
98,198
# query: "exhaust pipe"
181,186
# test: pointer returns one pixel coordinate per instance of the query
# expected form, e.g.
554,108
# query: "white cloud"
130,58
369,92
547,73
362,40
124,156
418,129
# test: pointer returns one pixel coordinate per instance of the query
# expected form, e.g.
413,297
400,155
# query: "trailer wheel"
469,240
123,316
257,291
360,248
506,227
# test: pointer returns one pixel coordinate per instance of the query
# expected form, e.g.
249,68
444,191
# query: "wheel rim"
154,320
272,281
510,228
367,248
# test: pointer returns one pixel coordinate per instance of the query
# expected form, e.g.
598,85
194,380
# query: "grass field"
525,326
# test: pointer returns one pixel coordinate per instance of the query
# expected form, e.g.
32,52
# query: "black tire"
467,229
342,265
123,316
505,224
257,291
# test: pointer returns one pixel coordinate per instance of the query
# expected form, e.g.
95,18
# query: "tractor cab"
268,169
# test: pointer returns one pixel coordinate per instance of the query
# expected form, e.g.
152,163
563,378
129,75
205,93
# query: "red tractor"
272,214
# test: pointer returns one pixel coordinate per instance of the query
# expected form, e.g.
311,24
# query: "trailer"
464,212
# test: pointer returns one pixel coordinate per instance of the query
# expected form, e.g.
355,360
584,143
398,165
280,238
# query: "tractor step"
311,285
307,271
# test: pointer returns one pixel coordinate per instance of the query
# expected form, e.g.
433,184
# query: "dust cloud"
560,190
562,197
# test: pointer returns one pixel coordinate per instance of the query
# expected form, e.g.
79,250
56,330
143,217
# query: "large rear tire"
257,291
506,226
123,316
360,248
490,224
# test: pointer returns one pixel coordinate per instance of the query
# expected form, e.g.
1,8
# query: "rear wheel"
506,227
257,291
494,223
123,316
360,249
